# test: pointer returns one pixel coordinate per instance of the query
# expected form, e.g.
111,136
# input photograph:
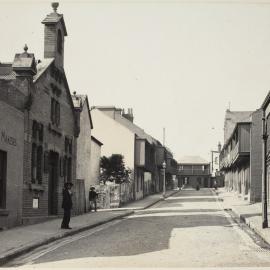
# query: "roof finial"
25,48
55,5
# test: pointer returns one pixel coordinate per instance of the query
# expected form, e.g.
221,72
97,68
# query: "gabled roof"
79,102
192,160
42,65
117,116
7,73
232,118
134,128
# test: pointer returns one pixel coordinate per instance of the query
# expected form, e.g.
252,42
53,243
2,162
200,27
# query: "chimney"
128,115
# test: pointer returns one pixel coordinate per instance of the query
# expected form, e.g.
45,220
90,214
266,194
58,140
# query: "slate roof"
232,118
192,160
134,128
6,72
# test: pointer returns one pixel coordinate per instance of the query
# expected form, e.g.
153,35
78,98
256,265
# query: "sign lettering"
8,139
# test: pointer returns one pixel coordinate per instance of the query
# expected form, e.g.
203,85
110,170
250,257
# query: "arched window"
59,42
34,163
39,164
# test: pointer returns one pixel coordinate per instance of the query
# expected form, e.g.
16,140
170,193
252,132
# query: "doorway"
53,183
205,180
3,178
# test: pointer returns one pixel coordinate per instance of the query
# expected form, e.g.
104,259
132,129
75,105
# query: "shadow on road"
146,231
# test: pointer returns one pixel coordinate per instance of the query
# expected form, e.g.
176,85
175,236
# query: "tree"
113,169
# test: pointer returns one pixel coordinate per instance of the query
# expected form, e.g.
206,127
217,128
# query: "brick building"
12,106
193,170
50,130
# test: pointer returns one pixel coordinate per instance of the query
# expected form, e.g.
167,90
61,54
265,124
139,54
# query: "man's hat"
68,184
92,188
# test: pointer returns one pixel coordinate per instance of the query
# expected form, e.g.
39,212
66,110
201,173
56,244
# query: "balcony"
235,156
194,172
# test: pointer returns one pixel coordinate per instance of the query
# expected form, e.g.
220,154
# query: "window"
203,168
55,112
37,153
34,163
39,164
59,42
68,145
67,160
3,178
216,160
69,170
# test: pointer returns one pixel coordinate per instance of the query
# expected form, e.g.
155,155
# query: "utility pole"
264,172
164,166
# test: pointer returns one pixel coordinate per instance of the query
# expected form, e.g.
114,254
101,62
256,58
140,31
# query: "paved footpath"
251,214
19,240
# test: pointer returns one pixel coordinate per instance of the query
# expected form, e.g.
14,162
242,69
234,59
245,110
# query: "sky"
178,64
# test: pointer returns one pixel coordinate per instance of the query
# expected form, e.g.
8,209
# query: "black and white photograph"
134,134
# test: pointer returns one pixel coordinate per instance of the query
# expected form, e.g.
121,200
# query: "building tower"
54,35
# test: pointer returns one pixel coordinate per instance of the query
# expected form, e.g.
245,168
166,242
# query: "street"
189,229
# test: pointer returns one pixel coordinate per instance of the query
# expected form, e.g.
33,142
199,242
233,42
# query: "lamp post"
164,178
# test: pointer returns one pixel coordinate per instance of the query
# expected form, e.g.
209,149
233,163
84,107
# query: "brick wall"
40,111
13,147
50,43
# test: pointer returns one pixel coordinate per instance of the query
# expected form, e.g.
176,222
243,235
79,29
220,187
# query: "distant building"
120,135
216,175
193,170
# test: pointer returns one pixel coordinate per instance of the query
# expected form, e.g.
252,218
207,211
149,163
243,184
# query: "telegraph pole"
164,166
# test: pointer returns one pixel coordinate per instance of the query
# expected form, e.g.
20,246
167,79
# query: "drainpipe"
264,173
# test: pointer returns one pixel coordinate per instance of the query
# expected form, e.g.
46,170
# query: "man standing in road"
93,199
66,205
